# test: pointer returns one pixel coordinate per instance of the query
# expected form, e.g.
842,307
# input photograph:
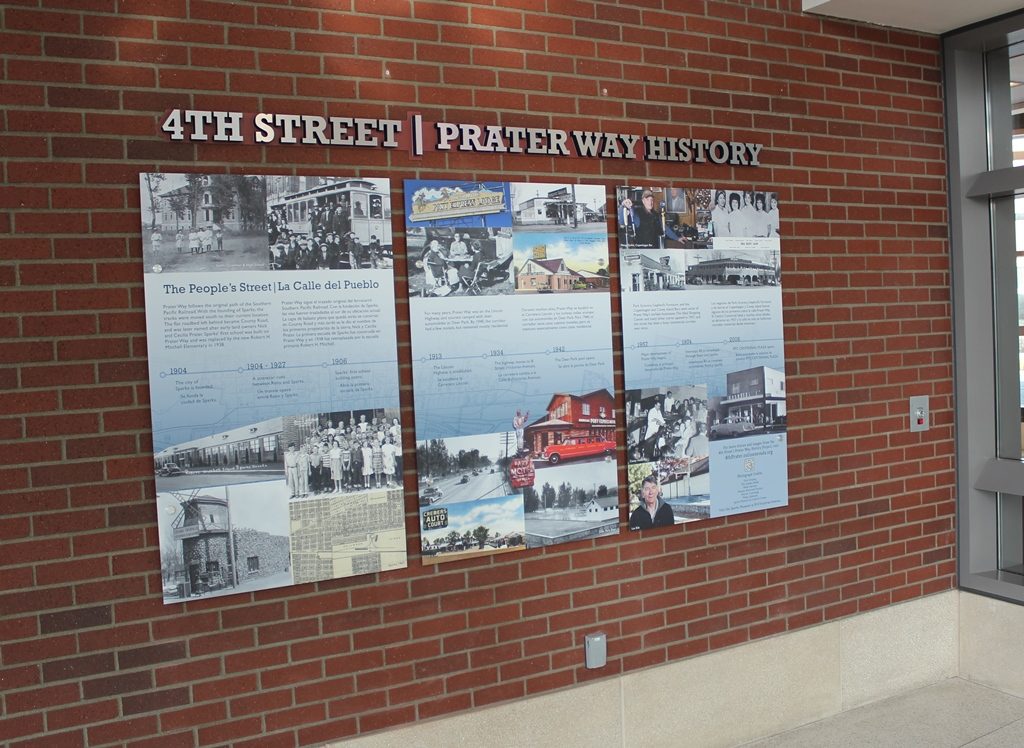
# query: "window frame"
981,238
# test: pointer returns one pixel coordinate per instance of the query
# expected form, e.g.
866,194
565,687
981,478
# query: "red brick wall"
852,123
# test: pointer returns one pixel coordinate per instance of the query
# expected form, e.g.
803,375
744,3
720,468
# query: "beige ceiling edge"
928,16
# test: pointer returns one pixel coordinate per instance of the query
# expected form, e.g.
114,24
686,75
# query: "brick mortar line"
472,45
525,15
442,66
538,597
468,652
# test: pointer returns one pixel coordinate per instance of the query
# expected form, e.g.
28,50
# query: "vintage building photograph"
200,223
572,501
754,403
465,530
577,428
734,268
221,540
653,270
544,207
253,452
559,262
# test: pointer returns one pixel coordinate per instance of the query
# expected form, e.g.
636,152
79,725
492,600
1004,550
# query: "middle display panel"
510,318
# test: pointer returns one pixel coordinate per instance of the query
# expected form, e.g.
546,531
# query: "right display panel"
703,352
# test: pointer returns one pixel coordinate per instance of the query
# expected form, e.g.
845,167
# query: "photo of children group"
199,223
345,453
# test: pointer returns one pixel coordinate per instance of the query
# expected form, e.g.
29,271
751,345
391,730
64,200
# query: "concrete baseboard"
736,695
991,632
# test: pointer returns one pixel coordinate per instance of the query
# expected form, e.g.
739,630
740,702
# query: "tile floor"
952,713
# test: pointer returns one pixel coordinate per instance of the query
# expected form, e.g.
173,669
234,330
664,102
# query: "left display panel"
273,371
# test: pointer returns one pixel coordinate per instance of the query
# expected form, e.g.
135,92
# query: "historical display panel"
703,352
512,365
274,379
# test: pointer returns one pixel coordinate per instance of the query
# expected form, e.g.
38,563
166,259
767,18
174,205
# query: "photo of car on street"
755,404
574,428
577,449
464,468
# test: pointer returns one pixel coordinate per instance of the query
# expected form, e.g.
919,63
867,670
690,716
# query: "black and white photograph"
667,438
314,453
459,261
252,453
200,223
745,213
755,403
666,422
464,468
654,269
222,540
726,264
343,452
557,207
328,223
572,501
659,217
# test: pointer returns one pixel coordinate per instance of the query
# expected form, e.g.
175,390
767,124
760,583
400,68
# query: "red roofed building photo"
544,276
573,423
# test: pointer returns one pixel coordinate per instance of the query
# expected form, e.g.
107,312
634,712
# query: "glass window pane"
1004,73
984,74
1018,223
1006,68
1008,318
1011,532
1016,54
